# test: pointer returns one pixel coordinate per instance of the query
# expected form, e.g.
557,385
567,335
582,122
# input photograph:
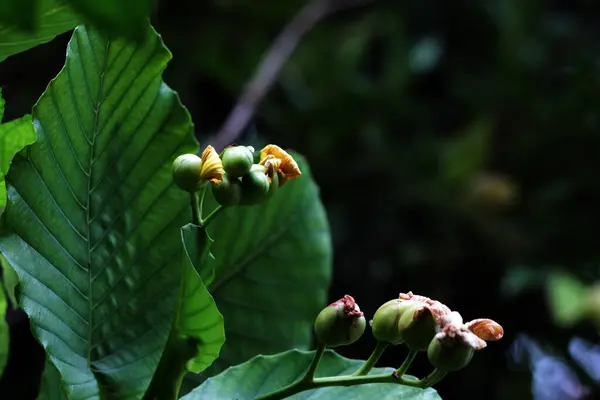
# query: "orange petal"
288,164
486,329
212,167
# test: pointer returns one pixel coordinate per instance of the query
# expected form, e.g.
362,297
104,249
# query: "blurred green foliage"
25,24
454,144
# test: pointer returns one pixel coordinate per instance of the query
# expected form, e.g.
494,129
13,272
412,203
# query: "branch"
271,64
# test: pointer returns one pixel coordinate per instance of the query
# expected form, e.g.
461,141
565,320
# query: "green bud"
255,186
385,321
450,355
237,160
341,323
228,192
417,327
186,172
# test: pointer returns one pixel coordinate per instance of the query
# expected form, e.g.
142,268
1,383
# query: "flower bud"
385,321
186,172
340,323
228,192
255,186
237,160
450,355
417,327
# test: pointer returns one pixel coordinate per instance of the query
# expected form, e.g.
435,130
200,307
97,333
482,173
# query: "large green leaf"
94,217
51,18
198,332
264,374
272,271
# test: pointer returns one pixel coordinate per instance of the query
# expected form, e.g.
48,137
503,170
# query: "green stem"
196,211
310,374
434,377
211,216
372,360
204,189
345,380
406,364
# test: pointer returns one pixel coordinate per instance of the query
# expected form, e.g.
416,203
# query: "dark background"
456,144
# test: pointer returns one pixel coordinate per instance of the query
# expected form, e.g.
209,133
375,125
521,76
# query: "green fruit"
228,192
255,186
186,172
339,325
237,160
273,186
385,321
417,327
449,357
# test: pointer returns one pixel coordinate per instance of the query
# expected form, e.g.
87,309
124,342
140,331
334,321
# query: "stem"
211,216
310,374
406,364
204,189
196,211
349,380
434,377
344,380
372,360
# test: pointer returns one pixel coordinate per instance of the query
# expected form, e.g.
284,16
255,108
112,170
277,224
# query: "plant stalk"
312,368
434,377
372,360
345,380
406,364
204,223
196,211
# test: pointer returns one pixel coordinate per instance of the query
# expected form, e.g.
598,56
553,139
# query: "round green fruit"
237,160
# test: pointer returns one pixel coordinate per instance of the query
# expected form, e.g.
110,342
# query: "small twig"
271,64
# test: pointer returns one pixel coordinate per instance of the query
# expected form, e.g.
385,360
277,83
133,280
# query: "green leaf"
52,17
4,333
18,13
93,217
51,388
14,136
198,332
265,374
127,19
198,316
272,271
10,281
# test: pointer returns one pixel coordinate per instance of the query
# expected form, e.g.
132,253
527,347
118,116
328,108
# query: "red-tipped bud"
340,323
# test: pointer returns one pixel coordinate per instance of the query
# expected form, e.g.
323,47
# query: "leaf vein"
45,228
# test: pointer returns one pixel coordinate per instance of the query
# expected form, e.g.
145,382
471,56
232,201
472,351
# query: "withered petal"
486,329
211,168
288,165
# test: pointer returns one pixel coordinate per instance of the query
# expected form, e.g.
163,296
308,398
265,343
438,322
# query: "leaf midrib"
88,216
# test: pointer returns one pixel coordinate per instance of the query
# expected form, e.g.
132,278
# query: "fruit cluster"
235,177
